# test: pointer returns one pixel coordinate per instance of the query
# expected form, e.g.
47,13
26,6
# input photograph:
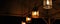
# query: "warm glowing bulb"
47,2
23,23
28,19
35,13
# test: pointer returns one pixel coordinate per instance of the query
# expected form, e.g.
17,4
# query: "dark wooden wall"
21,7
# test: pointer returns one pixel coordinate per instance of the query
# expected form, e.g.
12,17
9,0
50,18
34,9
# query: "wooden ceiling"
22,7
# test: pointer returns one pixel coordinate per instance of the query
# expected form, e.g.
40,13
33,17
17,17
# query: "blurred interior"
12,11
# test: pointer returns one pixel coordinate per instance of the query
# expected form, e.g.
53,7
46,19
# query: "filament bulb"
47,4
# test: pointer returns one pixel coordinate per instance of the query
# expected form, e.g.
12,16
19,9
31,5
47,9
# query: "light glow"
48,2
23,23
35,14
28,19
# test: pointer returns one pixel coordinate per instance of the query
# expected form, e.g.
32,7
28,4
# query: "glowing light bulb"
28,19
23,22
35,14
48,2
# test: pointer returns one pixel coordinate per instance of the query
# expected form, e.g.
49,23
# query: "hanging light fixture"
35,13
47,4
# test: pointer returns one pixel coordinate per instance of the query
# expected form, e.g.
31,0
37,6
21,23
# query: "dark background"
18,20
